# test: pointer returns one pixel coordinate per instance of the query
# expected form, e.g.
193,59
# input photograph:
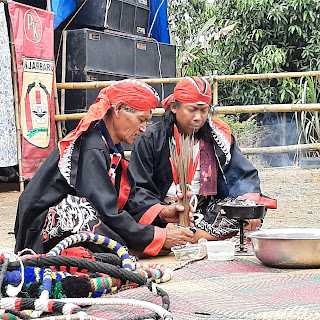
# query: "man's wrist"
161,216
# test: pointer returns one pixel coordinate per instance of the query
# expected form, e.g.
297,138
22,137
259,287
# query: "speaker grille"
131,16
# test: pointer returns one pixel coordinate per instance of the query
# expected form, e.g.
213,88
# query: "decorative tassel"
174,172
195,165
190,171
177,139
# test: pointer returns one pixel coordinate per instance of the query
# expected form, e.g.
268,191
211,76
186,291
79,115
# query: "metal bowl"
287,248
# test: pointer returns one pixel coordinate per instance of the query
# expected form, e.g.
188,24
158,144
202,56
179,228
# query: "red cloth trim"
221,125
268,202
124,185
157,243
149,216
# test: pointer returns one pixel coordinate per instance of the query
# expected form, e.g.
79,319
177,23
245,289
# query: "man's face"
190,116
133,124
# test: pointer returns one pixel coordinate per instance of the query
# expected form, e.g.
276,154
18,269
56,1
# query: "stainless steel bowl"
287,248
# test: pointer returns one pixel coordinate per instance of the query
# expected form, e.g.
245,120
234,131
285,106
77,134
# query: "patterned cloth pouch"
208,218
72,215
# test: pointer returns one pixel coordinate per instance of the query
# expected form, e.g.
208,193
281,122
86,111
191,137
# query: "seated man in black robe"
84,184
222,171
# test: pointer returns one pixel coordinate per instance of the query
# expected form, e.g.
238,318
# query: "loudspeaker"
122,54
79,100
42,4
128,16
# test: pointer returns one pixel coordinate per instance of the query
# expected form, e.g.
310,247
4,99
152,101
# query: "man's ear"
118,107
173,107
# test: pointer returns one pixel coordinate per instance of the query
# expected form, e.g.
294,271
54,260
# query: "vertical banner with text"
33,40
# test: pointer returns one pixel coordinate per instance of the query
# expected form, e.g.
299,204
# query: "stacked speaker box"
107,40
130,16
108,55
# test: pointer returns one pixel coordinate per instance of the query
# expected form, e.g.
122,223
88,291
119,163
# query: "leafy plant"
248,133
308,124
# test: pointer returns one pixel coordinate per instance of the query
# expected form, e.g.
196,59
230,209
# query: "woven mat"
239,289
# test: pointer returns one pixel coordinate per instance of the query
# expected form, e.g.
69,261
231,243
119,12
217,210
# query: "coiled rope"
96,275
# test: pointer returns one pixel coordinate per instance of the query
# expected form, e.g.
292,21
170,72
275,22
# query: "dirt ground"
297,191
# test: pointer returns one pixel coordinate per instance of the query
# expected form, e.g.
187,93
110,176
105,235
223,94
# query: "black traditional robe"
92,181
151,170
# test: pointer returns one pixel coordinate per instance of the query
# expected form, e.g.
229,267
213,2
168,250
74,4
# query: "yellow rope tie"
37,273
112,244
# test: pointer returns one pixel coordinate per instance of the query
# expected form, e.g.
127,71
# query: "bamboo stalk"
225,110
16,105
79,116
215,89
265,76
63,72
261,108
275,149
102,84
56,103
282,149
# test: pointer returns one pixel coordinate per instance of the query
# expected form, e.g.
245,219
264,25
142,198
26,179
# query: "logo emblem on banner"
32,26
35,99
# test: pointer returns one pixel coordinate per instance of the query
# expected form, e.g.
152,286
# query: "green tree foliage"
252,36
248,36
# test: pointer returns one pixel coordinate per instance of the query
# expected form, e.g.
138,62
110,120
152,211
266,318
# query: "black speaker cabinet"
42,4
122,54
79,100
130,16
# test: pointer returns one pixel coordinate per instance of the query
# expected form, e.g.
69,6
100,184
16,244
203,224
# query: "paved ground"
297,191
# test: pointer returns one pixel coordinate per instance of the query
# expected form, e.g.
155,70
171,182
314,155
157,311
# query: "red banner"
33,40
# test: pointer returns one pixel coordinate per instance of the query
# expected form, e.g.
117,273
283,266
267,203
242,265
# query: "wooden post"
215,89
56,102
16,104
63,73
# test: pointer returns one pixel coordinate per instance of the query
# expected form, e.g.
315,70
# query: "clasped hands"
170,214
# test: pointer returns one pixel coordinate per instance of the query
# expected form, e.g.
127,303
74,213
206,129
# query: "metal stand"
243,250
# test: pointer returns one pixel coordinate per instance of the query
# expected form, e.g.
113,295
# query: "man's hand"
253,224
176,236
171,213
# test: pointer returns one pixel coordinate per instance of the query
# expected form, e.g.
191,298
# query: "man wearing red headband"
222,171
84,185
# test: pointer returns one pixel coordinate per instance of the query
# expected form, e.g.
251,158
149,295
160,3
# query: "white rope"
13,291
163,313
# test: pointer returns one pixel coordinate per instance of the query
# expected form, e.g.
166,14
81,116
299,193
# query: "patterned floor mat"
239,289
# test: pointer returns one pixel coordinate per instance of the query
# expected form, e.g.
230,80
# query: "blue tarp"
160,29
62,9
